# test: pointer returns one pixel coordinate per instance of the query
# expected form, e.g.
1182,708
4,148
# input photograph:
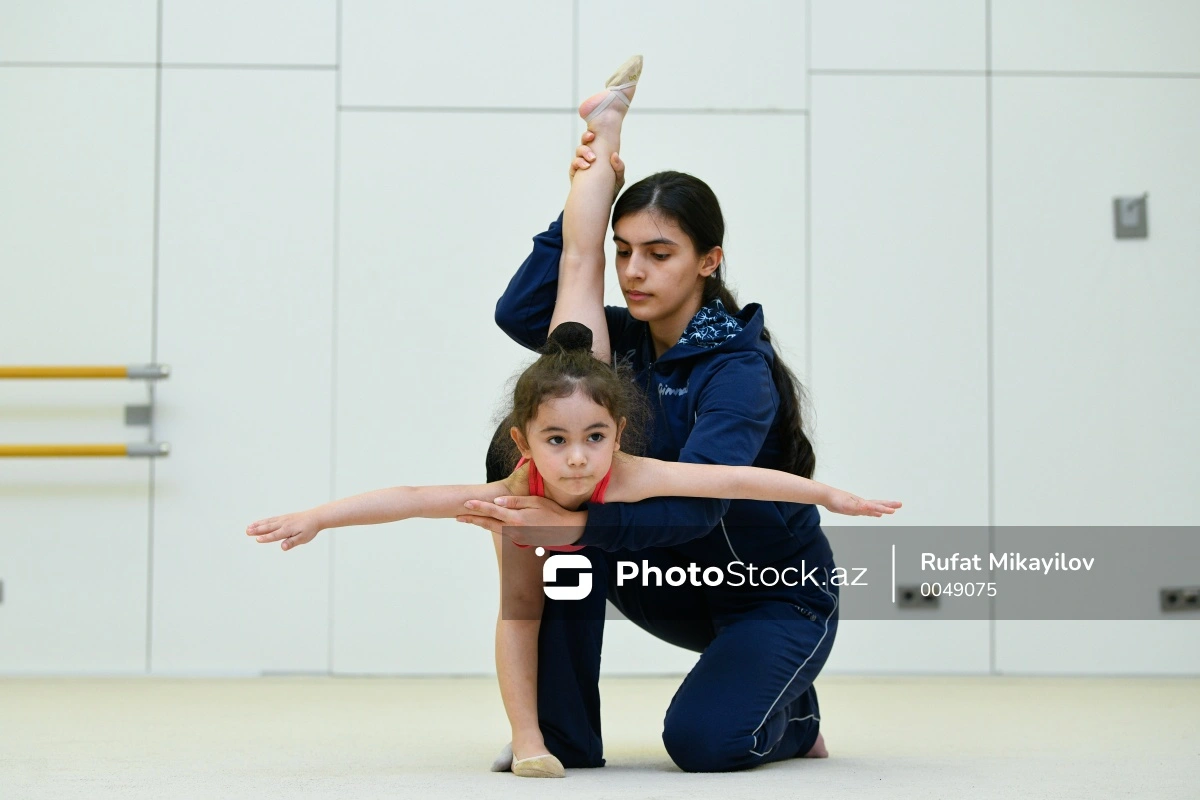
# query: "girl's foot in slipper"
543,766
608,107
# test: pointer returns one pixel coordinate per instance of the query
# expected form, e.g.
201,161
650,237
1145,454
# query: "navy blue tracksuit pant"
749,699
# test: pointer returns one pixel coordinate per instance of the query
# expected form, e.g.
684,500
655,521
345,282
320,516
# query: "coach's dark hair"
691,204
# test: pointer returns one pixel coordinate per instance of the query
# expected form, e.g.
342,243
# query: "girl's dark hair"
691,204
565,367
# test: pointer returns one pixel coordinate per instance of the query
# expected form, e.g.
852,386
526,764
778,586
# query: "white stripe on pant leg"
793,719
797,672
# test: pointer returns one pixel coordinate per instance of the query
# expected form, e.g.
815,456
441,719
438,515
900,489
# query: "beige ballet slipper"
543,766
626,77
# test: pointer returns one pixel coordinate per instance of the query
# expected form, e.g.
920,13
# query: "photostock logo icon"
566,561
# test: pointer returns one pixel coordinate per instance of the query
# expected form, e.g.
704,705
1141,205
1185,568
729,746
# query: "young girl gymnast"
574,420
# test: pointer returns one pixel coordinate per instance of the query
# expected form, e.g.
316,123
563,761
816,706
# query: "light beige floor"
372,737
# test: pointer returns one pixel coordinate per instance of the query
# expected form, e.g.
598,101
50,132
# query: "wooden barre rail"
151,372
135,450
132,372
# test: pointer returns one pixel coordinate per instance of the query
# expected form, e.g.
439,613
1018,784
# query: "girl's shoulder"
517,483
628,474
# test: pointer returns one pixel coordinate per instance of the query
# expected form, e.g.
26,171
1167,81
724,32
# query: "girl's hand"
841,502
291,529
584,158
527,520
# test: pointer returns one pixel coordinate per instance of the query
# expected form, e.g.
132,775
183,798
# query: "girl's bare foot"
818,749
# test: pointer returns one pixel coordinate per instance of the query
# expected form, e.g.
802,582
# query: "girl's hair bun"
569,336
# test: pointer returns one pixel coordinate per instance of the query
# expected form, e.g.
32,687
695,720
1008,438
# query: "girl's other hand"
290,529
584,158
845,503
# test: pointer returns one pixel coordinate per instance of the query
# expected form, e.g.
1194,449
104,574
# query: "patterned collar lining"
712,326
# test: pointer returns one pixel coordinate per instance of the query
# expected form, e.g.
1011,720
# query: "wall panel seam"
808,265
1001,73
161,65
333,352
783,112
991,416
154,336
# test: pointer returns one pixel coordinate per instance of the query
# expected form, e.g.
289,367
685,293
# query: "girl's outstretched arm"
637,478
382,505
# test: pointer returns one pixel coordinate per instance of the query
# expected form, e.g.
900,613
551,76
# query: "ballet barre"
134,415
133,372
132,450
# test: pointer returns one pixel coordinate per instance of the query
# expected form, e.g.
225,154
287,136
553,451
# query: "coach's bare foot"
818,749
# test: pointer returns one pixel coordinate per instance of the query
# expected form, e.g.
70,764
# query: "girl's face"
661,274
572,441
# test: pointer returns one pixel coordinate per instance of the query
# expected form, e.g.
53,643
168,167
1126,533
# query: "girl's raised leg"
589,203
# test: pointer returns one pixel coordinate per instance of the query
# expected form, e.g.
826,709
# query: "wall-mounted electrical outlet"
1131,217
1179,598
139,415
911,597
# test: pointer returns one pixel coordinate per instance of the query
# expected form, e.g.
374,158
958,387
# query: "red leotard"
537,488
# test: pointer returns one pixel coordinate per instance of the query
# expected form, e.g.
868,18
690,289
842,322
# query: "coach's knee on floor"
697,745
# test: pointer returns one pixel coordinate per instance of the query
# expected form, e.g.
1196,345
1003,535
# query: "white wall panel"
1096,35
457,53
1095,339
1097,647
245,321
911,646
899,250
913,35
706,54
629,650
426,248
77,213
250,31
899,379
71,31
76,217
